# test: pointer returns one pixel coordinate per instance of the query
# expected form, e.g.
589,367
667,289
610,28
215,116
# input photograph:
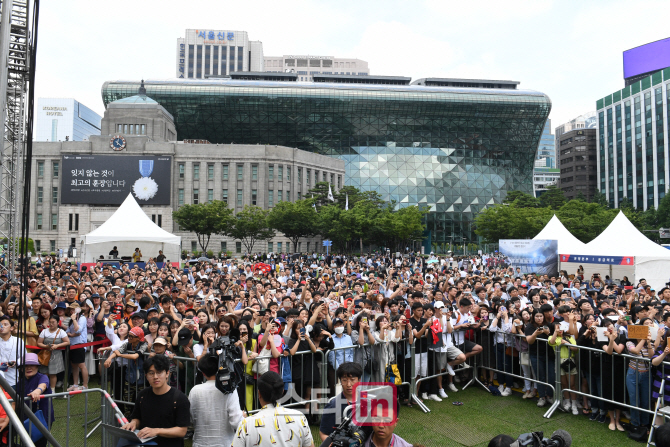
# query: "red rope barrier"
82,345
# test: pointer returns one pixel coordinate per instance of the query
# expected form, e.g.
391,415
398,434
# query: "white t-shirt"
8,351
46,333
447,341
198,349
459,335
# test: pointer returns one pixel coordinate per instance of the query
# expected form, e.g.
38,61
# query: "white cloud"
570,50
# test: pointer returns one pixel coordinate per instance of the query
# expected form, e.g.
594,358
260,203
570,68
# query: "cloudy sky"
568,49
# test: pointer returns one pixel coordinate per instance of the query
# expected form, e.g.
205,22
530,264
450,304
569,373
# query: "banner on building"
107,179
530,255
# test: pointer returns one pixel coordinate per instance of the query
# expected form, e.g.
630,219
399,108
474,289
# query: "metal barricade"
66,429
611,388
124,385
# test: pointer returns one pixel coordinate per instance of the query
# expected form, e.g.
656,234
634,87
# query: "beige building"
307,66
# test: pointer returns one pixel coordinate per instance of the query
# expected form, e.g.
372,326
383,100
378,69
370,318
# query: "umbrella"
265,268
203,259
432,261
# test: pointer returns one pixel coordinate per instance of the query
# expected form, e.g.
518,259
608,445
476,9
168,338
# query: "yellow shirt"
137,256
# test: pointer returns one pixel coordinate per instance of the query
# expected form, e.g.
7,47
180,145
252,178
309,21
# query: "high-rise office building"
543,178
578,161
546,150
453,150
308,66
585,121
633,142
63,119
544,168
203,53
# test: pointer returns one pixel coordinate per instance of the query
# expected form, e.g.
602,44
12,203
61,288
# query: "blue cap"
61,305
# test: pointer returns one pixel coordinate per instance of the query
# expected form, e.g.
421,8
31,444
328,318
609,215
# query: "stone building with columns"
138,126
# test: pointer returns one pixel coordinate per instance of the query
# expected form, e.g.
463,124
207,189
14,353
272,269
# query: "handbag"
249,379
31,428
524,358
261,366
568,364
393,375
44,356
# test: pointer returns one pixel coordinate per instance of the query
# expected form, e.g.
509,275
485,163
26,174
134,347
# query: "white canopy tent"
127,228
567,243
622,239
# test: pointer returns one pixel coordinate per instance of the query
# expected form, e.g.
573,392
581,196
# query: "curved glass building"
452,149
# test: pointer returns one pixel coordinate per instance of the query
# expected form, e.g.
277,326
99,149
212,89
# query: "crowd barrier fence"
543,373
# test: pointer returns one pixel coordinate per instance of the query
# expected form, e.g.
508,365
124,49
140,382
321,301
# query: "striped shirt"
638,365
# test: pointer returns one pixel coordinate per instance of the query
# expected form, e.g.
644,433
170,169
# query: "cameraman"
274,423
348,373
215,415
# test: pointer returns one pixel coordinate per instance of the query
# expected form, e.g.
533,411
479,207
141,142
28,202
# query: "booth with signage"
621,250
127,228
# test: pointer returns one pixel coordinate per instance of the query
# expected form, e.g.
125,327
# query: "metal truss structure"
15,35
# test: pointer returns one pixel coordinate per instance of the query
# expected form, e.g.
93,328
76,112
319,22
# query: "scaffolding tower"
15,35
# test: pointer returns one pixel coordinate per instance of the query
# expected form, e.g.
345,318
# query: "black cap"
184,337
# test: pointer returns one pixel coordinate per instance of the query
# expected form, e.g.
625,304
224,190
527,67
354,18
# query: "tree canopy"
250,226
521,216
296,220
204,219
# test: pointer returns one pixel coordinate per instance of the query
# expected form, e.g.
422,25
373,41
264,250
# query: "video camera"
347,434
229,373
560,438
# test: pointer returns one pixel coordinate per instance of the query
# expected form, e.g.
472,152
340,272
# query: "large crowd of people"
307,318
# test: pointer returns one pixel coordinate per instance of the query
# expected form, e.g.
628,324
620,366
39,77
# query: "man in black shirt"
161,411
349,373
419,328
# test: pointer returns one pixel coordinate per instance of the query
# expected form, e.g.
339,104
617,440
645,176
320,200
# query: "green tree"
585,220
521,199
626,204
663,213
339,226
600,199
320,196
553,197
509,222
204,219
250,226
296,220
408,225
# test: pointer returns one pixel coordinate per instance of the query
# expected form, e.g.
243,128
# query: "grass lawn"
480,418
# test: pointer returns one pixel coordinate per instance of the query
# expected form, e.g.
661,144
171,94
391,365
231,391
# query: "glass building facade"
546,150
58,119
453,150
633,149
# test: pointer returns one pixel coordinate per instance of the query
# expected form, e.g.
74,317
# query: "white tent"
127,228
567,243
621,239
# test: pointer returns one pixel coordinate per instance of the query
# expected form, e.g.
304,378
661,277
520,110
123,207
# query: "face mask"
339,330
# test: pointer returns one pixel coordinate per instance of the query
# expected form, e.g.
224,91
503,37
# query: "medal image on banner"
145,187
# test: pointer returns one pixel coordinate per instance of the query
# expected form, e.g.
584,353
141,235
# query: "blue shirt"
77,338
336,358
